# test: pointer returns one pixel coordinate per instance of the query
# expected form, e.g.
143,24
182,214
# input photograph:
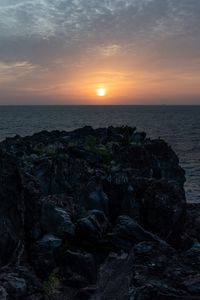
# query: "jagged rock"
138,137
3,293
93,227
193,220
11,206
164,210
149,292
114,280
128,232
192,284
8,240
56,221
67,199
43,254
80,267
160,265
94,198
164,162
15,286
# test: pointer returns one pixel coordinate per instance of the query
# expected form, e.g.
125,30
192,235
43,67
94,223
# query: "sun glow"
101,92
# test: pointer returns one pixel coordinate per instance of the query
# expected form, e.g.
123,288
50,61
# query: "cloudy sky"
60,51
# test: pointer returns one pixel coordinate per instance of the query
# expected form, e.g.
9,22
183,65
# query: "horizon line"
31,105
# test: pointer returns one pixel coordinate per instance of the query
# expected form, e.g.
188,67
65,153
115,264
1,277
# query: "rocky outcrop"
95,214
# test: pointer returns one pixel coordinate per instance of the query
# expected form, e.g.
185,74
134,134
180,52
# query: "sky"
61,51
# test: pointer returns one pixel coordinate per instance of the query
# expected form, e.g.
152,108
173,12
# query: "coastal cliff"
95,214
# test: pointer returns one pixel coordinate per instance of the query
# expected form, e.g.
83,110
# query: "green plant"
90,143
105,155
51,283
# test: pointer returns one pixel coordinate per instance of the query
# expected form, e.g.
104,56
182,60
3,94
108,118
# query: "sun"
101,92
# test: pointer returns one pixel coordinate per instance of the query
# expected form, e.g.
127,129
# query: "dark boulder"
93,197
163,211
56,221
78,268
9,240
93,227
3,293
128,232
138,137
114,279
152,292
165,163
11,207
20,283
15,286
43,254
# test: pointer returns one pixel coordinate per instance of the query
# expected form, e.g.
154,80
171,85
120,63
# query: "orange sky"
141,52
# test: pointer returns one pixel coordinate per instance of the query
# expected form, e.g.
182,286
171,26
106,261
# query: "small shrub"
51,284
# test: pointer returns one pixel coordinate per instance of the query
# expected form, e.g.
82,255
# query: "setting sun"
101,92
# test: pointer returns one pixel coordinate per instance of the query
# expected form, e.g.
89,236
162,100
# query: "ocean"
178,125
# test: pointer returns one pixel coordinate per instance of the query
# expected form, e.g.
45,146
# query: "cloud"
14,71
73,37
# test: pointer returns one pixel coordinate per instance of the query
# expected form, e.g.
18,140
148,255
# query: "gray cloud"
53,35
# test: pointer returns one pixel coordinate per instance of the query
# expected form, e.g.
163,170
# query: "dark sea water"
178,125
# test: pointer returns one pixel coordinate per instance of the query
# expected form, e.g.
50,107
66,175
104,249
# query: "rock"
94,198
8,240
81,264
93,227
149,292
193,221
43,254
85,293
128,232
164,162
152,266
56,221
114,280
164,211
192,284
15,286
121,195
138,137
67,199
11,206
3,293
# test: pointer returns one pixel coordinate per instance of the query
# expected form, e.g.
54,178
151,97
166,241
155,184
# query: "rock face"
164,210
95,214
